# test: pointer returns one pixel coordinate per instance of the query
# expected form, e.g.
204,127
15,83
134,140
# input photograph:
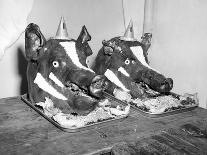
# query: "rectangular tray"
148,114
87,127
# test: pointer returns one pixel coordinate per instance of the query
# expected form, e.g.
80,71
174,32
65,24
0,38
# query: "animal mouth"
148,90
82,102
163,88
76,90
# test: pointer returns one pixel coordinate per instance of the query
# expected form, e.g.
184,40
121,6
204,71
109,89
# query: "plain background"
178,48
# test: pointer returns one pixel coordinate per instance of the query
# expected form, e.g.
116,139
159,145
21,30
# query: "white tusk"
44,85
56,80
113,78
123,71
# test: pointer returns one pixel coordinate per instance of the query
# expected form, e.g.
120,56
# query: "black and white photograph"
103,77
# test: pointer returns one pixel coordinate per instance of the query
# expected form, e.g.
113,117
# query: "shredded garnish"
104,111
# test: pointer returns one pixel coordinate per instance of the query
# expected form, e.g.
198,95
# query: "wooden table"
24,131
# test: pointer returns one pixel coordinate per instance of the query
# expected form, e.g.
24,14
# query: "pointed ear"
146,41
84,36
34,40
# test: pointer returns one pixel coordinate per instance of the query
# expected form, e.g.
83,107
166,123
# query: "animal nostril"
167,85
169,81
163,86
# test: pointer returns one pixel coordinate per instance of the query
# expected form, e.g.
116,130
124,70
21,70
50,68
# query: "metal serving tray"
87,127
151,115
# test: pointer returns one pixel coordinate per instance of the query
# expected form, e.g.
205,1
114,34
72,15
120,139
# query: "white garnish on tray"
102,112
48,107
122,95
117,112
155,105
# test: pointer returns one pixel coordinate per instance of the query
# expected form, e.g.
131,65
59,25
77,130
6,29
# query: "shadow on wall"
22,69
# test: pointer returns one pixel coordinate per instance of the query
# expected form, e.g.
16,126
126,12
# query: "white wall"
11,66
179,44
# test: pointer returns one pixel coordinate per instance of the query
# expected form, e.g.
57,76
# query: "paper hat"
129,33
62,30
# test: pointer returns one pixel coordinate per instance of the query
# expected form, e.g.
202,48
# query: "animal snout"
98,84
166,86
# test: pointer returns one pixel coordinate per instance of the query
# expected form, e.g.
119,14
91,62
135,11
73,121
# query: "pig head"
57,64
124,62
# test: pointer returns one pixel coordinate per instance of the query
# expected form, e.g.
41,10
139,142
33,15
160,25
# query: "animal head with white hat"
56,65
123,60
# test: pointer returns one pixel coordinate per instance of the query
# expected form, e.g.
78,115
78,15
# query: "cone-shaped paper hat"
129,33
62,30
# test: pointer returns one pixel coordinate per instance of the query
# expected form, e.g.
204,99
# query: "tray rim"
153,115
24,98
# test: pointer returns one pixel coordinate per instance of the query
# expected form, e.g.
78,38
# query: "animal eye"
55,64
127,61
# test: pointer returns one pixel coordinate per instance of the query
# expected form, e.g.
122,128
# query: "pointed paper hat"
62,30
129,33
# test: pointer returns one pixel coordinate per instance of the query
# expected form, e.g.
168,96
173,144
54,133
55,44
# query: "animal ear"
84,36
146,41
34,40
82,41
